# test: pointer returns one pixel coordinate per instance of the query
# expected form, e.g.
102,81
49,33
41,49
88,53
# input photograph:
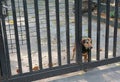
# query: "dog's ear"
90,40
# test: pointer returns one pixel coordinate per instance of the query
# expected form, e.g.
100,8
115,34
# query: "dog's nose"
91,47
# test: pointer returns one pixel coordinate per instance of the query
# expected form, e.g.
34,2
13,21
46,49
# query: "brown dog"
86,47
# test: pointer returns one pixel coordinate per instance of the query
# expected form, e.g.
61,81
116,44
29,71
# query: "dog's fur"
86,47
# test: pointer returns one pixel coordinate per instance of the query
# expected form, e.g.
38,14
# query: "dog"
86,47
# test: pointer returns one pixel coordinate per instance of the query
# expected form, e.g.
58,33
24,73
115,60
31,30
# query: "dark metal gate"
37,37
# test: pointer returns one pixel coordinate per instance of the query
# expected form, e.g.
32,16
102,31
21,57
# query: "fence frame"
5,73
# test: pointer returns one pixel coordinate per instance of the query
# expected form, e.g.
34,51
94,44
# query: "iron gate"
37,37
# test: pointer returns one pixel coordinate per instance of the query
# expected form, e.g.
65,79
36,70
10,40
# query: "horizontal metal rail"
59,70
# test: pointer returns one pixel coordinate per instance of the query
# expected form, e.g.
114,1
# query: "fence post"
1,51
3,62
0,42
0,71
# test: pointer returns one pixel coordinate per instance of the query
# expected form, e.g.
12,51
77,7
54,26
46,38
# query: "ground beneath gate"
107,73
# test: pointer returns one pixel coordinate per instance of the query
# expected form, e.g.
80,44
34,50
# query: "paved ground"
107,73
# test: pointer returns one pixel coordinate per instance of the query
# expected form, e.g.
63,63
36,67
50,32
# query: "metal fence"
37,38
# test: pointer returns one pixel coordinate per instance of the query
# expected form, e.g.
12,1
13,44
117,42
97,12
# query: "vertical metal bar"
4,53
115,28
16,36
1,52
3,61
0,10
58,31
78,30
89,25
38,33
89,17
7,58
27,34
98,29
48,32
107,28
1,46
67,30
0,71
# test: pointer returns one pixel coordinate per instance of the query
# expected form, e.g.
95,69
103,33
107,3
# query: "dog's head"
87,43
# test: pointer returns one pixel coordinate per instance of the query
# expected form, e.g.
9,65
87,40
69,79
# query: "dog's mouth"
89,48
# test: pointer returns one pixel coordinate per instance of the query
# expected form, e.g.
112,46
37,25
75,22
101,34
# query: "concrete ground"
106,73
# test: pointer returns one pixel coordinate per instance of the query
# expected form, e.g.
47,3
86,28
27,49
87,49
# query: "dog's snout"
91,47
